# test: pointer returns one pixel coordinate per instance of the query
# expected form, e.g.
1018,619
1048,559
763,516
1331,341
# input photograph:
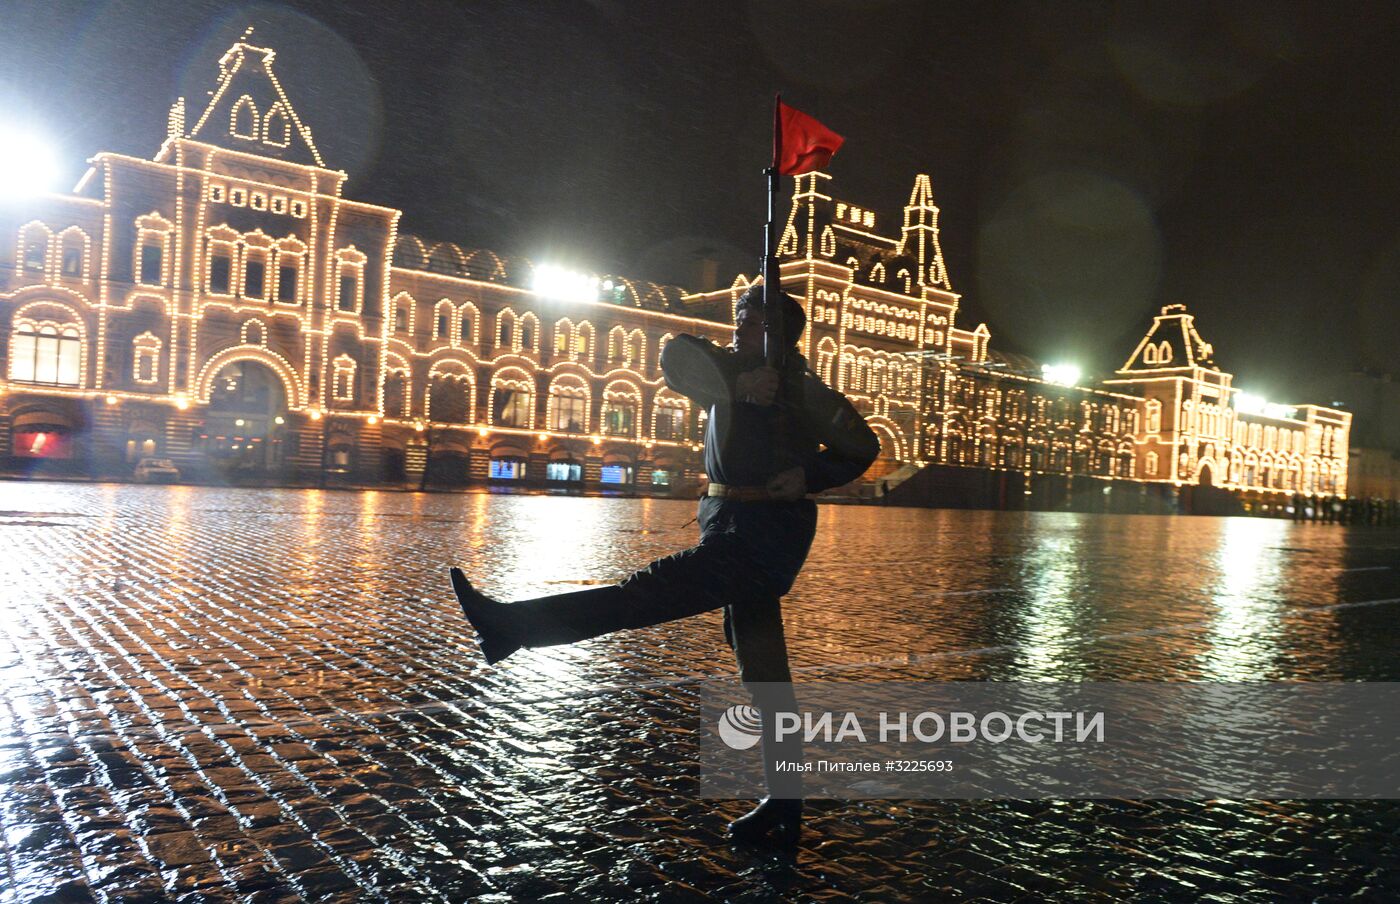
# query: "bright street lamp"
27,164
1064,374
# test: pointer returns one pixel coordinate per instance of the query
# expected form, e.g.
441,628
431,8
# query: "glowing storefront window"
507,469
41,442
564,470
616,474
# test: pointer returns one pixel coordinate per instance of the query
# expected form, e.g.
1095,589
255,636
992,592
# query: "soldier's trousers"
748,556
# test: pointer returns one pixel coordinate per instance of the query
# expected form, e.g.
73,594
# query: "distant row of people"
1339,510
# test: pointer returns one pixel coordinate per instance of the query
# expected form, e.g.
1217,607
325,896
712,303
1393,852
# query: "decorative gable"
1171,343
248,110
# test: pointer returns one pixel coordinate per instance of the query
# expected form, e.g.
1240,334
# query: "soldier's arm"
696,368
851,447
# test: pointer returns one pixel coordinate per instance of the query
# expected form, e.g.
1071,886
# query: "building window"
449,398
255,278
570,413
146,358
36,248
350,281
344,384
1151,464
277,129
620,418
505,329
346,298
45,353
73,262
660,478
670,423
400,318
243,118
468,325
1154,416
152,264
513,403
220,266
396,400
287,283
441,328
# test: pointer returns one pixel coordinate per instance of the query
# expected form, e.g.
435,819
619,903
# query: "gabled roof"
248,110
1171,343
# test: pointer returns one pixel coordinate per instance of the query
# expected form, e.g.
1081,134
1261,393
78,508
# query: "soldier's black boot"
777,820
494,622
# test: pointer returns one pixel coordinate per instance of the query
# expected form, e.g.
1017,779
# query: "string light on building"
234,306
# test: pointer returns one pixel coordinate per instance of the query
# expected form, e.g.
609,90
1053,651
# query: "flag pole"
773,345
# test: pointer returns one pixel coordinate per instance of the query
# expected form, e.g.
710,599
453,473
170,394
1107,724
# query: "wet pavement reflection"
271,695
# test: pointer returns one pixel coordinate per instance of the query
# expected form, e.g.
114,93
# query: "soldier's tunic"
750,552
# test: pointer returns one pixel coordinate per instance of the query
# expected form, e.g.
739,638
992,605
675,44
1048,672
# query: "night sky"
1092,161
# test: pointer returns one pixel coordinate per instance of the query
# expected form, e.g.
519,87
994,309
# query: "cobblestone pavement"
266,695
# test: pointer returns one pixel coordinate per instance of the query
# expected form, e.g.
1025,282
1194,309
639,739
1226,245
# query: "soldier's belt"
741,494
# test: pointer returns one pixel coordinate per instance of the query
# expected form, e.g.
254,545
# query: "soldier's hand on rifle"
759,386
788,485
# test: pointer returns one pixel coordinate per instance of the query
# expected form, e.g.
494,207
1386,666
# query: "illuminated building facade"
223,305
883,312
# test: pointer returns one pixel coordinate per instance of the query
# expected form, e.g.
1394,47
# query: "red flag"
800,143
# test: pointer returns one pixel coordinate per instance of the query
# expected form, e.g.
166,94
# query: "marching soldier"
772,439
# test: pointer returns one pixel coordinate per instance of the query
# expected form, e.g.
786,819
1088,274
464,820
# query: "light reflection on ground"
244,692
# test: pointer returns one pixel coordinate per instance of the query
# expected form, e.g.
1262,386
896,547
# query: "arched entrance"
245,423
888,459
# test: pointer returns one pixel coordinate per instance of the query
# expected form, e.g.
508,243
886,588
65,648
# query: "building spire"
175,122
919,237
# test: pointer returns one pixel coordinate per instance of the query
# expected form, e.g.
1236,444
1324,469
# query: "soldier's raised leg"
703,578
